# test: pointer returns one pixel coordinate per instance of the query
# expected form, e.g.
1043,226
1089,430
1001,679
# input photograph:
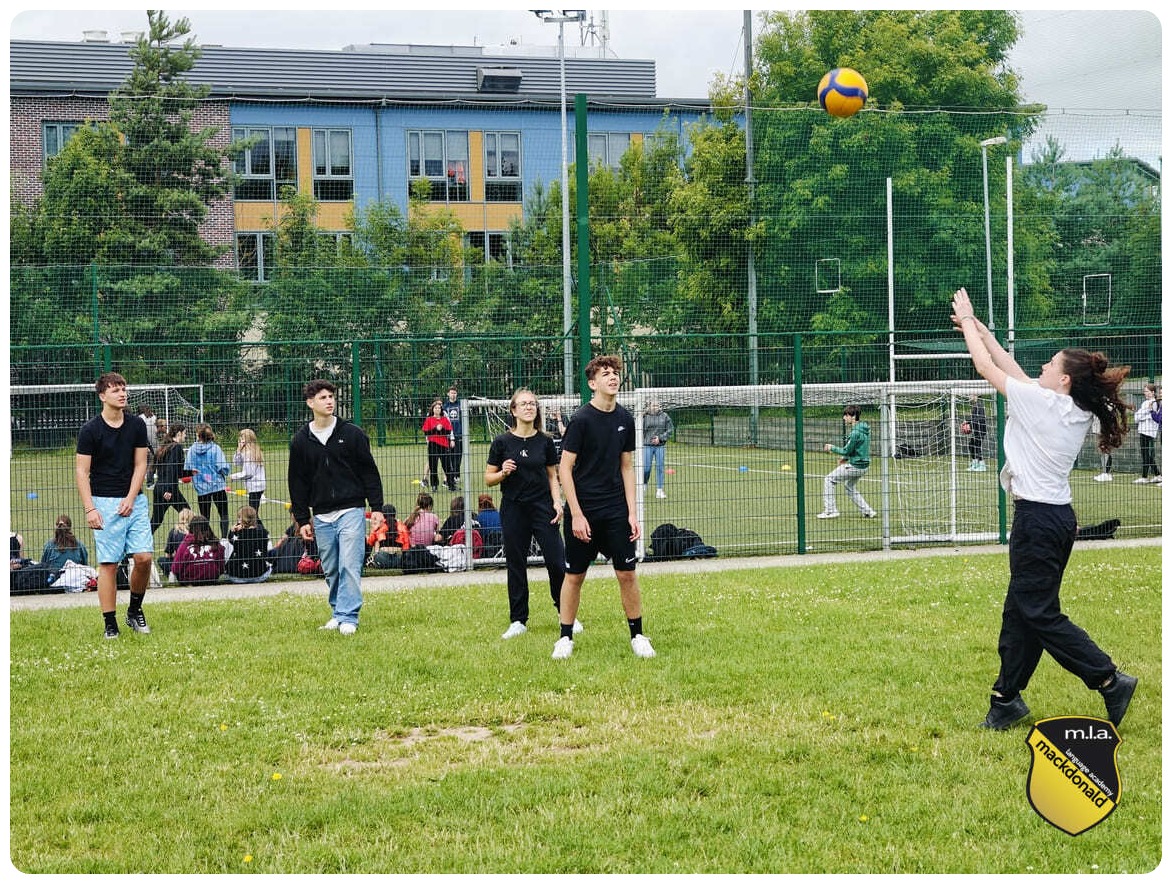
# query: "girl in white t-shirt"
1048,420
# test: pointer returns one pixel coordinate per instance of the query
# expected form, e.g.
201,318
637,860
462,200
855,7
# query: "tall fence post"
356,381
799,444
582,176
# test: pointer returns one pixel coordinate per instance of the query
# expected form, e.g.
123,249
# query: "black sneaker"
1117,695
1004,715
111,630
137,622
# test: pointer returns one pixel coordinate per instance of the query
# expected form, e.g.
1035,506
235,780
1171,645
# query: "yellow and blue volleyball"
842,92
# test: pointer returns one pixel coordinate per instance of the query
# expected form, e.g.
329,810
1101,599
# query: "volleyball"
842,92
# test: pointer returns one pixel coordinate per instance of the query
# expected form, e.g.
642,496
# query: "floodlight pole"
561,17
985,145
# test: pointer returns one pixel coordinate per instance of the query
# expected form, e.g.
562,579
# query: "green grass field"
817,718
740,500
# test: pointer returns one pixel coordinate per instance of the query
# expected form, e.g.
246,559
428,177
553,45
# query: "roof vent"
131,36
498,79
94,37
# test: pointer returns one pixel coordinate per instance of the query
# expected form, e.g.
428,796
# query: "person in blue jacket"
209,471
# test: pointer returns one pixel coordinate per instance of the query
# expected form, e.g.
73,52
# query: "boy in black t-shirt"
597,472
110,469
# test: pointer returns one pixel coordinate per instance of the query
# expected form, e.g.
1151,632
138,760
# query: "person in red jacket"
200,557
438,431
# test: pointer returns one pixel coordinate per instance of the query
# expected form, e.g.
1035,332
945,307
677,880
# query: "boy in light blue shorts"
110,469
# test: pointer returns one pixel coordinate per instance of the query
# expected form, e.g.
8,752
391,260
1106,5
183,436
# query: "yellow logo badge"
1074,781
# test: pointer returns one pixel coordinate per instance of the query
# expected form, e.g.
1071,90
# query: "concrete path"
316,586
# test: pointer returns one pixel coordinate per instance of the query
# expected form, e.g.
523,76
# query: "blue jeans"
342,547
653,454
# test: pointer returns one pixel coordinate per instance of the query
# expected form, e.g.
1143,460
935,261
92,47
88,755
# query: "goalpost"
919,454
49,415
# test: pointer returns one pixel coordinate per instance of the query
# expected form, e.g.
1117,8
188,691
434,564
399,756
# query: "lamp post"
985,145
561,16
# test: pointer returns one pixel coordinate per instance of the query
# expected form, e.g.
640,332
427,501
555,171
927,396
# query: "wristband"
969,316
92,509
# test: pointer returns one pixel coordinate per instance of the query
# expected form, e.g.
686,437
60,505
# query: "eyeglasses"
526,404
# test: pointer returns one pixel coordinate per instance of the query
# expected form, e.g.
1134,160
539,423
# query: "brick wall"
26,159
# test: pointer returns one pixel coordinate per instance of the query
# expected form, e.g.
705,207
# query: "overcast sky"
1068,59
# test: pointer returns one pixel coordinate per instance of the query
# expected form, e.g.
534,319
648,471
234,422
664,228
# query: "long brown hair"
63,537
423,502
1094,387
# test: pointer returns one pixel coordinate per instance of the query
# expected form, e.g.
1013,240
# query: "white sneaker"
578,627
332,623
1140,481
641,646
347,628
659,493
1104,477
515,629
563,648
827,515
979,467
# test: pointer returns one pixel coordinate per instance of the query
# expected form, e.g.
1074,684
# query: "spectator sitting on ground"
64,547
454,522
386,542
200,557
250,546
174,538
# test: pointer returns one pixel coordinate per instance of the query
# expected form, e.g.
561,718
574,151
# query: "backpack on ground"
420,560
669,542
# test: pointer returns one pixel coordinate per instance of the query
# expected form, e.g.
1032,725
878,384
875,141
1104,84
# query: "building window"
55,135
607,148
494,245
441,157
255,255
268,166
502,167
333,172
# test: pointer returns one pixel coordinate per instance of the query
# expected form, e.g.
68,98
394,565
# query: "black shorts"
610,534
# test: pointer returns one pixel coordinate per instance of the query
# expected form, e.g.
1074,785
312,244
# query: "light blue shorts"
122,535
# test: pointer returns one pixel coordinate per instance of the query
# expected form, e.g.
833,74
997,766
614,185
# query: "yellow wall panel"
476,166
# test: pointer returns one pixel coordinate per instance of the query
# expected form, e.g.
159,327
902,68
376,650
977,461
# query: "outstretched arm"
990,359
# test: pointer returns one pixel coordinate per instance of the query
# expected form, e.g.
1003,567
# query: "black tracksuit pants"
520,523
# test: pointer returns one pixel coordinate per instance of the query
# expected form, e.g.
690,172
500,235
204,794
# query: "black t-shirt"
111,451
532,455
599,439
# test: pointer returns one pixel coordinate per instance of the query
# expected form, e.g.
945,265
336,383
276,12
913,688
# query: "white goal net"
49,415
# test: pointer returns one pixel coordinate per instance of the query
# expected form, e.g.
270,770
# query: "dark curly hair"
1094,387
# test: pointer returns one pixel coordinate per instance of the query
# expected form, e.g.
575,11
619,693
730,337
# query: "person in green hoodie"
854,458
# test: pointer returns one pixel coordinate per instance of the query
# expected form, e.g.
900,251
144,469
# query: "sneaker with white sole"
1104,477
111,631
332,623
641,646
563,648
1140,481
578,627
347,628
660,494
137,622
515,629
827,515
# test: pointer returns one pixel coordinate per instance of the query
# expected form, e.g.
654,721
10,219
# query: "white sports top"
1044,433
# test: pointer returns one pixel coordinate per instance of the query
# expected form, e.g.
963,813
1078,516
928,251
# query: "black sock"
111,618
135,603
568,631
636,626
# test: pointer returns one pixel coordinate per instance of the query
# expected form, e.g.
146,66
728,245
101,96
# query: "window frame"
63,136
449,183
329,186
273,177
265,250
498,186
